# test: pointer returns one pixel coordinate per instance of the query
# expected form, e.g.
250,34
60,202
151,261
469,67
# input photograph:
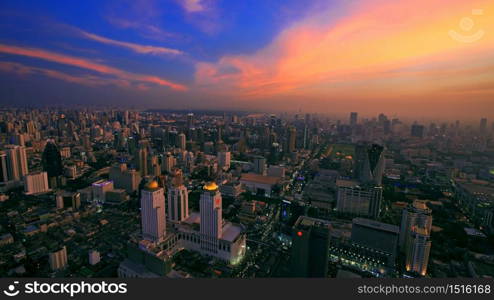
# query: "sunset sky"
432,58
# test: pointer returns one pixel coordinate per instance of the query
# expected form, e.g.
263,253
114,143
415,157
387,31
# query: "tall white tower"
211,217
153,212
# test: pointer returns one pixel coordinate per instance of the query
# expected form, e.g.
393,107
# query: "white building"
16,162
153,212
259,184
415,215
36,183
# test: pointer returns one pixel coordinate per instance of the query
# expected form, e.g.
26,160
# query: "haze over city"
414,59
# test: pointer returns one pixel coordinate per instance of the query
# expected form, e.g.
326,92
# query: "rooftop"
259,178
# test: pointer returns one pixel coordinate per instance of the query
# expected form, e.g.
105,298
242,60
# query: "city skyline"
394,57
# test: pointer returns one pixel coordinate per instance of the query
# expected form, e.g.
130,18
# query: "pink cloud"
89,65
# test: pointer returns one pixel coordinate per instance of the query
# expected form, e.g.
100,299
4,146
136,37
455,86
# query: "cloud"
143,49
90,65
192,6
367,51
86,79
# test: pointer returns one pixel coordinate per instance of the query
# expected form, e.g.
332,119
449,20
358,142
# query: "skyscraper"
260,165
52,160
310,248
356,199
483,125
417,130
416,215
143,161
16,160
153,212
369,163
211,217
292,139
417,251
58,259
4,174
224,159
181,141
178,199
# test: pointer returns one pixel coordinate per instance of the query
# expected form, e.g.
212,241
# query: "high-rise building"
415,215
36,183
260,165
417,251
369,163
16,162
376,235
52,160
292,139
168,162
190,120
211,217
124,178
356,199
99,189
353,118
143,161
182,141
178,199
58,259
4,173
224,159
310,247
153,212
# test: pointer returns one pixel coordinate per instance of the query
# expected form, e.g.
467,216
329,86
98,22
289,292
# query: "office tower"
4,173
16,161
58,259
369,163
143,161
224,159
356,199
211,217
483,125
310,248
153,212
154,166
124,178
292,139
416,214
417,251
94,257
52,160
181,142
417,130
99,189
376,235
178,199
353,118
260,165
36,183
19,139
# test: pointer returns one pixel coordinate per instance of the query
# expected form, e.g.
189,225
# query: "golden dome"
153,184
211,186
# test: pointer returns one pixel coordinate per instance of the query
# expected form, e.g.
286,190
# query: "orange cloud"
372,52
143,49
89,65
